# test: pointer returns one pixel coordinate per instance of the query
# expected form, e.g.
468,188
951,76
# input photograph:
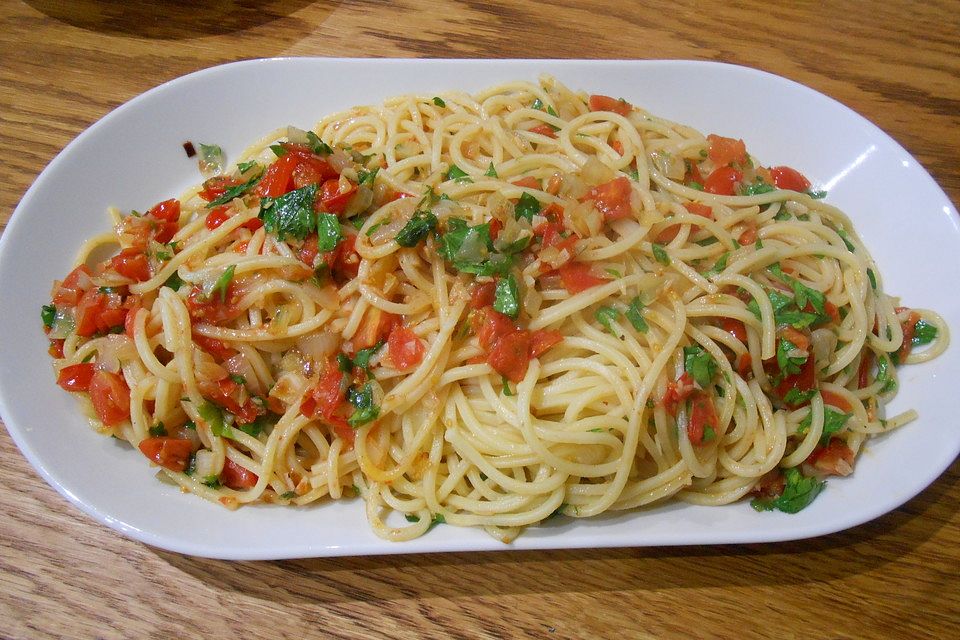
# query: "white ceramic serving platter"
133,158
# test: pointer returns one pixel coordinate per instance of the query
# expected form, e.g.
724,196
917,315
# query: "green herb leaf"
278,150
238,378
367,177
328,231
243,167
505,386
817,194
47,314
756,188
344,363
362,359
788,365
846,240
437,100
924,333
708,434
174,281
291,214
458,174
288,495
223,283
699,364
366,409
411,517
833,422
158,430
795,397
635,315
607,316
613,272
693,184
527,207
235,192
507,297
212,481
798,493
660,254
259,425
872,277
419,226
317,145
491,171
213,416
718,266
783,214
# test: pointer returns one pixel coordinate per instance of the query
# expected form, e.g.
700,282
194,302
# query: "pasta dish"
487,310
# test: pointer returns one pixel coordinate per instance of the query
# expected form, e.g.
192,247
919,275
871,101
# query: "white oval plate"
133,158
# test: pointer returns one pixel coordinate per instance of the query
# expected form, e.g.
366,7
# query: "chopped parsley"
798,493
507,296
788,365
660,254
222,285
367,177
213,416
416,229
833,422
699,364
756,188
527,207
234,192
158,430
491,171
607,316
317,145
290,214
437,100
362,359
923,333
634,314
48,314
458,174
366,409
328,231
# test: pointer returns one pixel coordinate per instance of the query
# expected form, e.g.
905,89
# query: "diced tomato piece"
214,347
213,310
236,477
131,263
490,326
749,235
168,210
667,234
110,397
551,234
56,348
863,372
612,199
171,453
277,178
693,174
770,485
76,377
482,295
346,260
510,355
702,415
332,199
835,459
328,394
723,181
541,340
578,276
606,103
405,348
88,310
130,319
217,217
375,326
744,364
495,227
723,150
342,429
734,327
528,182
308,250
617,146
796,338
700,209
836,400
544,130
312,170
678,391
804,380
216,186
227,393
787,178
71,289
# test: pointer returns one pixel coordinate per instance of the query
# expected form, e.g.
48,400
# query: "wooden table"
63,65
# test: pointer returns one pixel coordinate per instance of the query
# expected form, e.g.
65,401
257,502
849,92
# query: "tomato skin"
836,400
226,393
131,263
482,295
214,347
723,150
110,396
612,199
332,200
510,356
599,102
168,210
541,341
56,348
76,377
328,394
544,130
617,146
170,453
796,338
787,178
734,327
88,310
577,276
700,209
490,326
405,348
723,181
749,235
236,477
276,179
217,217
909,327
678,391
70,290
702,415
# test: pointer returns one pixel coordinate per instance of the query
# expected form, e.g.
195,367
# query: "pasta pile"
486,310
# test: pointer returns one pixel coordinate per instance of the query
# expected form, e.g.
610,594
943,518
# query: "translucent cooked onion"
386,232
595,172
296,135
205,462
319,346
238,364
113,350
340,160
361,201
669,165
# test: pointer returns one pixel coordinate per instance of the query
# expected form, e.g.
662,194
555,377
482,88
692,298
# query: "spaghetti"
485,310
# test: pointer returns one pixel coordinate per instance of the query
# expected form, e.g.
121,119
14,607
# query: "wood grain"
64,65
